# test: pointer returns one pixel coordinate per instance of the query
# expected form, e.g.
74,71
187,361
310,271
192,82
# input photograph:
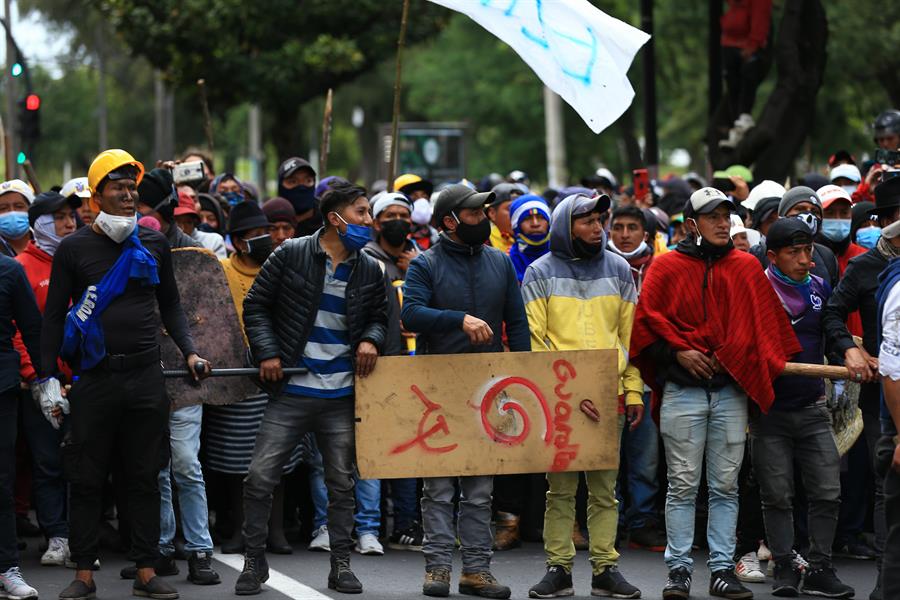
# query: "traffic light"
17,69
30,118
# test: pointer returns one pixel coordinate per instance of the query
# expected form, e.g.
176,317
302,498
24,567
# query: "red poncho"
745,328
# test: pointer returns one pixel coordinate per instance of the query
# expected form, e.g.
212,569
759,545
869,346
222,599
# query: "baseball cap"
585,205
47,203
186,206
78,187
705,200
18,186
788,232
458,196
846,171
292,165
764,189
831,193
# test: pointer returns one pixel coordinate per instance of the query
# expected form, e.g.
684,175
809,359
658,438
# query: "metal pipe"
232,372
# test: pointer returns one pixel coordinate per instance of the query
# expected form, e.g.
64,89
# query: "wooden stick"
326,136
826,371
207,121
32,176
395,122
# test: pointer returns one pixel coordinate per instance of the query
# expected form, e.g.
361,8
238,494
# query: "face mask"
836,230
626,255
116,228
356,236
849,189
811,220
395,231
14,224
206,227
233,198
473,235
302,197
586,251
868,237
259,248
45,234
421,213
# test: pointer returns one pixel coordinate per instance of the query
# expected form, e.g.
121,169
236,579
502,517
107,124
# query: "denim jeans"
694,422
404,493
48,484
473,524
9,551
778,441
184,440
639,458
287,419
890,571
368,499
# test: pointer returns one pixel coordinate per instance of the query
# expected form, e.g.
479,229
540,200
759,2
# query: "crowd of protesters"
706,289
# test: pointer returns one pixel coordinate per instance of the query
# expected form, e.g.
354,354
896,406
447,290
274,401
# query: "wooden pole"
395,123
326,135
32,176
207,121
825,371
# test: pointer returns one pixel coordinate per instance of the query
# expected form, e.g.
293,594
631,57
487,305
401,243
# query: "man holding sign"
582,296
458,296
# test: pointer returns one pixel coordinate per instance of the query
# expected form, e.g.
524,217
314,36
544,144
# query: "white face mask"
626,255
421,213
116,228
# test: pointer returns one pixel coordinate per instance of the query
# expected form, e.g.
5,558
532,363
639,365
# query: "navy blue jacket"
18,308
452,280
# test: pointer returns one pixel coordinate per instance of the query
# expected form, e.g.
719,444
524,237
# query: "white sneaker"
368,544
57,553
13,586
764,553
748,569
320,542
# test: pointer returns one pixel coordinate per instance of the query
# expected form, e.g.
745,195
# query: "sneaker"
787,581
407,539
368,544
25,527
71,564
678,585
798,561
611,583
164,566
437,583
724,584
856,549
79,590
13,586
748,570
200,571
482,584
341,578
824,582
647,538
764,553
156,588
557,582
57,553
320,542
506,536
254,574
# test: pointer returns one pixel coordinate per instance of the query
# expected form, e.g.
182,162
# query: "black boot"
235,544
341,578
200,569
254,574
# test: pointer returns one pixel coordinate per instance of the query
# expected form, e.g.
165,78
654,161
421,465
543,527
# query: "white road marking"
277,581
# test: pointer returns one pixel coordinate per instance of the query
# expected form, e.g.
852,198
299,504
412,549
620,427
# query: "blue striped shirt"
327,355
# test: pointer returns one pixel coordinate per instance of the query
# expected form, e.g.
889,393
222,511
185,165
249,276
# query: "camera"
889,158
189,172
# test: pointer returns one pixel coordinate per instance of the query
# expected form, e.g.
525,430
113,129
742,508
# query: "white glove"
48,395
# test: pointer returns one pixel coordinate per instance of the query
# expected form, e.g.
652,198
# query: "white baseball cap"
847,171
830,193
78,186
705,200
19,186
764,189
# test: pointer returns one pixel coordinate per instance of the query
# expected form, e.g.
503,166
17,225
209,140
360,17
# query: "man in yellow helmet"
115,275
418,191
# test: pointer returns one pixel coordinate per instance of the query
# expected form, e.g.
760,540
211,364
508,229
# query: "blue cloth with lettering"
83,338
886,280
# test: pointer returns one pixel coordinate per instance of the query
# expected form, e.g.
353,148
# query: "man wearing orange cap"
115,275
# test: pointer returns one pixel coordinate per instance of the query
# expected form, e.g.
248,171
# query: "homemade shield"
214,325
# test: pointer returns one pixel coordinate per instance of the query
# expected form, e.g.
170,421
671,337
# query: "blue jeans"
406,509
640,457
368,499
692,423
473,526
48,484
184,433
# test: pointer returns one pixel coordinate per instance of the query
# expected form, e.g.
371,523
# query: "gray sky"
39,44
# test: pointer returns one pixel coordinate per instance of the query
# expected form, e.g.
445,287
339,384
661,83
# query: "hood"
561,228
208,202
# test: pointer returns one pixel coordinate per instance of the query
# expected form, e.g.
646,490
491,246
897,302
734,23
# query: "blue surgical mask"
13,224
356,236
868,237
836,230
233,198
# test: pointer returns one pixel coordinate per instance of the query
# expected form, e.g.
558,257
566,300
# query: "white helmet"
78,186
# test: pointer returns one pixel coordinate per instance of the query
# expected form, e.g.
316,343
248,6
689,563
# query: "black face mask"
395,231
259,248
586,251
302,197
473,235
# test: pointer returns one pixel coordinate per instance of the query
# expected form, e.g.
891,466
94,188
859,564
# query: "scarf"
83,339
794,295
725,307
887,249
45,237
523,254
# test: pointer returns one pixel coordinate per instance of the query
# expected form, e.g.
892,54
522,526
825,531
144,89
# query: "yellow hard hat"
107,162
410,182
404,180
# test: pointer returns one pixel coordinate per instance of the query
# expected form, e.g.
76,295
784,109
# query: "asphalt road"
302,576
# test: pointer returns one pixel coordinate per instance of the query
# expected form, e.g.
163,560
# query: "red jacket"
746,24
37,265
854,322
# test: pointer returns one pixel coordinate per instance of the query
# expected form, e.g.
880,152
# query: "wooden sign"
487,414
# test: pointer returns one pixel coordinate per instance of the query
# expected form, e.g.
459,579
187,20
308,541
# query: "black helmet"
887,123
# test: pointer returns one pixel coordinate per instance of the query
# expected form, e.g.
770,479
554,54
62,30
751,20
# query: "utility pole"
254,136
164,119
554,134
651,145
10,121
102,118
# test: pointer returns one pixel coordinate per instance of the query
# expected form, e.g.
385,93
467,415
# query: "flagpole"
395,123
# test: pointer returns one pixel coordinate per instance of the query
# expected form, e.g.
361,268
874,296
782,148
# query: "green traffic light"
21,158
17,69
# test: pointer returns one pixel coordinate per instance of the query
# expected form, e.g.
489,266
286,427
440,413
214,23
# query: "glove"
48,396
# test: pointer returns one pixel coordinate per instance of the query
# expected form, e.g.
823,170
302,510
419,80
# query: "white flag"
577,50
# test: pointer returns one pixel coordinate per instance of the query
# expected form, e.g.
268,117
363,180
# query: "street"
302,576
